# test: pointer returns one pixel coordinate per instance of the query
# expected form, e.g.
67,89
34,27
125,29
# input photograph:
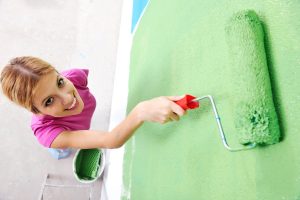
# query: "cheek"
69,85
55,113
54,110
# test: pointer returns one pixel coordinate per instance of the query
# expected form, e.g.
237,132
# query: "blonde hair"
20,77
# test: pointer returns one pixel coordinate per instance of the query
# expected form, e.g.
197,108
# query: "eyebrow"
43,102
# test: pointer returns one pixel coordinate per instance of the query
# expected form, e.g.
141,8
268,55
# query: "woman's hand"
160,109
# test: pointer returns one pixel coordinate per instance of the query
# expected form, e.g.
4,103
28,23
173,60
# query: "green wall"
180,47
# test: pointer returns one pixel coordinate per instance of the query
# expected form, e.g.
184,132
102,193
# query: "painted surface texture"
180,47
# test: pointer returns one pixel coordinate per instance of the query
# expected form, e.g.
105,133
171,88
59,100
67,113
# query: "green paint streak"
180,47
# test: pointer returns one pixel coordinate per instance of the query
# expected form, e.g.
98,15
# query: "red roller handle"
187,102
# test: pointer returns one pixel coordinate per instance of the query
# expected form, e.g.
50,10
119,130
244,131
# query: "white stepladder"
45,184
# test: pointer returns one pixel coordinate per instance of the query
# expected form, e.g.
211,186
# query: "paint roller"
88,164
254,113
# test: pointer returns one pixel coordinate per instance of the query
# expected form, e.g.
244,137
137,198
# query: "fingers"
162,109
174,113
174,116
177,109
171,117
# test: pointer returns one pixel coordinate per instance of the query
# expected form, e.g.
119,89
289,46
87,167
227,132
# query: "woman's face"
56,96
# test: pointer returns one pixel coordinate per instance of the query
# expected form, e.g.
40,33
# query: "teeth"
73,104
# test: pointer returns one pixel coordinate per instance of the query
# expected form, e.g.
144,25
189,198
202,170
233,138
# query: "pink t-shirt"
46,128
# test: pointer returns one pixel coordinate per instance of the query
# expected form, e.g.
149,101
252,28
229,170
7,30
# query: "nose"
66,98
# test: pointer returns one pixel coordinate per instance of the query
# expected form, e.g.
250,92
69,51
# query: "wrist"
139,113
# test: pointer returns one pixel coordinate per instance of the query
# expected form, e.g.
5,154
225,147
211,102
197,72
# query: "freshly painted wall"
180,47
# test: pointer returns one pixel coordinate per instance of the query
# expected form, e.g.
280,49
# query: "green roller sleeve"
254,112
87,164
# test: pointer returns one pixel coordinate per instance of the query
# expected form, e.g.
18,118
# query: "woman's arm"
161,110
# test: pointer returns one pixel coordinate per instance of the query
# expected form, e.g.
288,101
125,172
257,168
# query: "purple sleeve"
77,76
46,134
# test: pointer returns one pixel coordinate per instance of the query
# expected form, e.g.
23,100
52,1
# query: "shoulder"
78,77
46,130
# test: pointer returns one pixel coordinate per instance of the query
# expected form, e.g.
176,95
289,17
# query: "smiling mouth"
73,104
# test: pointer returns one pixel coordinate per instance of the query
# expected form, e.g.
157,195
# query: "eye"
60,82
49,101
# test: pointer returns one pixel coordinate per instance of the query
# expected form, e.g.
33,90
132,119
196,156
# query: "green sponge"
255,116
88,164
